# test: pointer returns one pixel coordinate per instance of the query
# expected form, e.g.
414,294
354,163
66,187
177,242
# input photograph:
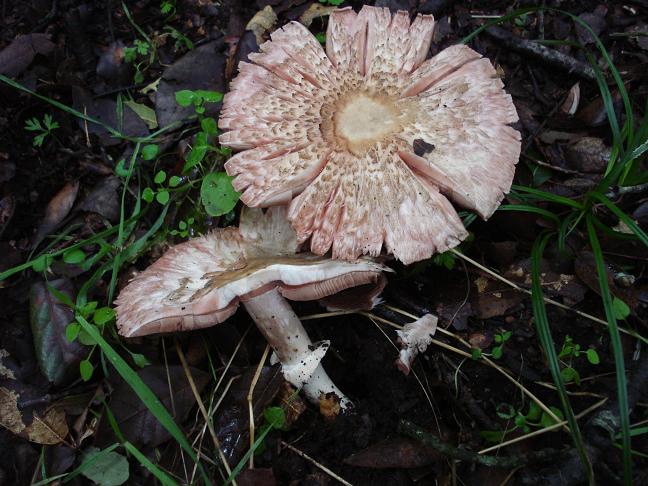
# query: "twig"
483,359
597,434
201,406
250,396
316,464
543,53
544,430
409,429
547,300
550,166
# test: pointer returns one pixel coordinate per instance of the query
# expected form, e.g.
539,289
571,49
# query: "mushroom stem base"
287,336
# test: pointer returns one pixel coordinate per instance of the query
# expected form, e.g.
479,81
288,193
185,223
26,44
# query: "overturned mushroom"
414,338
201,282
368,140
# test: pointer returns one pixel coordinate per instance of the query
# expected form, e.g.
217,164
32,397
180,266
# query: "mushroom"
368,141
200,283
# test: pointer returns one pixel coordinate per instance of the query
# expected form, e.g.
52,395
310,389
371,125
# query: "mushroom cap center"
361,120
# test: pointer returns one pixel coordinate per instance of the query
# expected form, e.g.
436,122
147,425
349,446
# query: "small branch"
201,407
250,397
543,53
315,463
409,429
490,272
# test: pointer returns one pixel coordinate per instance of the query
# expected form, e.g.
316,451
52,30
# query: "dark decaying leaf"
555,283
398,452
596,22
246,45
256,477
641,214
7,170
105,110
57,209
57,357
232,424
136,422
57,461
103,199
588,154
201,68
111,65
18,55
594,113
7,207
105,468
586,271
491,298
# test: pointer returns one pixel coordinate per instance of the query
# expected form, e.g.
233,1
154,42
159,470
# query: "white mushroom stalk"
201,282
368,142
300,360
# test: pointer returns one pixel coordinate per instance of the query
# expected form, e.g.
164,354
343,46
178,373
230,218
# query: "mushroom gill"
367,141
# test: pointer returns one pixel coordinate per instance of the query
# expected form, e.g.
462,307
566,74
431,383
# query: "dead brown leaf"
398,452
261,23
18,55
47,427
57,209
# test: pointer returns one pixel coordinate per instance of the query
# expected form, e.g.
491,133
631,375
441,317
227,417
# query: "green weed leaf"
217,194
85,370
592,356
105,468
184,97
620,308
74,257
150,151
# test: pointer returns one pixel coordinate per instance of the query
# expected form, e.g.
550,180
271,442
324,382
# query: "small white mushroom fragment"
414,338
200,283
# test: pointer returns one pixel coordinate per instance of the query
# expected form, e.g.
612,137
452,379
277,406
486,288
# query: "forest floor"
76,224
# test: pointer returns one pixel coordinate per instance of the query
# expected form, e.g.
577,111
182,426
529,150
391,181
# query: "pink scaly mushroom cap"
368,140
200,283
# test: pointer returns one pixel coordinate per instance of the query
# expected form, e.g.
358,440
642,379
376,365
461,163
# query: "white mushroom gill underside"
368,141
200,282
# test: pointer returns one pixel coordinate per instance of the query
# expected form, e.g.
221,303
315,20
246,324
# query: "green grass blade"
510,16
612,233
617,349
120,234
162,476
547,196
244,460
641,234
144,393
87,462
531,209
67,109
544,333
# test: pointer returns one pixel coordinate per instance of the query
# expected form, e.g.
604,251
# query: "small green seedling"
571,351
168,7
46,128
217,194
140,55
179,38
534,418
184,227
446,259
161,193
496,351
334,3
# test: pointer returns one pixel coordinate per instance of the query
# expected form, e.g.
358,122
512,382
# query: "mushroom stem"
287,336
